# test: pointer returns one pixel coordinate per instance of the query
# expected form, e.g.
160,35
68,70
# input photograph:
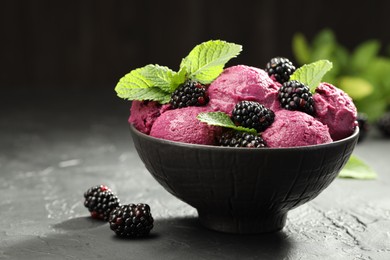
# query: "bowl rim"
134,130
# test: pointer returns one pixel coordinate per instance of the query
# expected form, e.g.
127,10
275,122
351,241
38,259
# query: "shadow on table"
78,224
188,232
173,238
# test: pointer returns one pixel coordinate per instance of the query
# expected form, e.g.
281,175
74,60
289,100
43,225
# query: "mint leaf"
357,169
178,78
152,93
206,61
311,74
152,82
222,119
159,76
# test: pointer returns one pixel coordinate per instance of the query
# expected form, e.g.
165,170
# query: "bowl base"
243,225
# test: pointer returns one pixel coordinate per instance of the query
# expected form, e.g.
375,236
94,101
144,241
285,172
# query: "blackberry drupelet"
131,220
294,95
241,139
281,68
100,201
384,124
252,114
362,121
189,94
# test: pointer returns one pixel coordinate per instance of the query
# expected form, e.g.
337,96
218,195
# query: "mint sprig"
206,61
159,76
357,169
223,120
154,82
311,74
178,78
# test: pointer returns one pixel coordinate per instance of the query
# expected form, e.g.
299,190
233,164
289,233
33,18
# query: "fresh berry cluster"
249,114
100,201
190,93
131,220
252,114
280,68
241,139
293,95
125,220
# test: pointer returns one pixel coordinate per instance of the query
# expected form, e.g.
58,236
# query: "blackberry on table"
241,139
252,114
384,124
100,201
190,93
281,68
294,95
131,220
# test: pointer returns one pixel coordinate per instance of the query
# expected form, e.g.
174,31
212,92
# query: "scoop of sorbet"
295,128
144,113
335,109
242,82
181,125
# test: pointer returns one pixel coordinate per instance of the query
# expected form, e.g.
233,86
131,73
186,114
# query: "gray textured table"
54,146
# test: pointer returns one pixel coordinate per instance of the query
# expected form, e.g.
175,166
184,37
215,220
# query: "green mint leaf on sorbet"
178,79
222,119
357,169
152,82
159,76
206,61
152,94
311,74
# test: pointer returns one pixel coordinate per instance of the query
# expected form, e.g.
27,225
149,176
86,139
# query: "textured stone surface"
55,146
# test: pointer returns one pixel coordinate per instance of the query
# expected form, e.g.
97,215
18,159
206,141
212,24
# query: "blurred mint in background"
363,73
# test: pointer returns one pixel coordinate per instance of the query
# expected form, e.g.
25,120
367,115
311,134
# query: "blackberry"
189,94
281,68
252,114
362,121
241,139
294,95
100,201
384,124
131,220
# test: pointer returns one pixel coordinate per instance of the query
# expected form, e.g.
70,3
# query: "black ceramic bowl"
242,190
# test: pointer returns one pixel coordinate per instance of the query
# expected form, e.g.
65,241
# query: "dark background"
91,44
